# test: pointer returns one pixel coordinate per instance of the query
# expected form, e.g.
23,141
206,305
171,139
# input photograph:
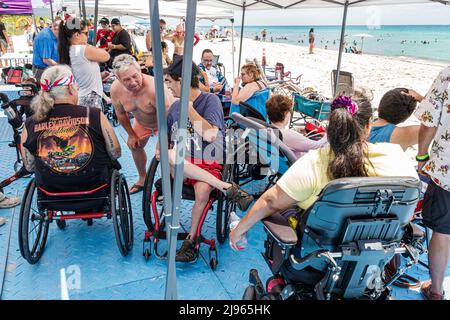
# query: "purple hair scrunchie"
345,102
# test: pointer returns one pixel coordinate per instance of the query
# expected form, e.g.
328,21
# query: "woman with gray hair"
66,145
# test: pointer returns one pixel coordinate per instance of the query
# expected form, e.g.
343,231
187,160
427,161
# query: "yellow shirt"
306,178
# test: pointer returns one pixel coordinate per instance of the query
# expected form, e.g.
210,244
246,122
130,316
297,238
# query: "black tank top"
69,148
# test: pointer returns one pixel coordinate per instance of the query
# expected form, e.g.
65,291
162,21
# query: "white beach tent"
140,9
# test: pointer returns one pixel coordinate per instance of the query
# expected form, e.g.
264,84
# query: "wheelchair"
339,247
42,204
153,213
260,154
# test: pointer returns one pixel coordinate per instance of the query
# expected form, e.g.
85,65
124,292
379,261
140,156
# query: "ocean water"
387,40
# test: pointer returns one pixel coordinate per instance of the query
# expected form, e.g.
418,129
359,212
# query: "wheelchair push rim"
149,188
33,226
225,206
121,211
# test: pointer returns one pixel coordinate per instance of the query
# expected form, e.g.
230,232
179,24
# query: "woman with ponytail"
84,59
66,145
347,155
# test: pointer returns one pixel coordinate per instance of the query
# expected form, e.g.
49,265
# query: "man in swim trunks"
135,92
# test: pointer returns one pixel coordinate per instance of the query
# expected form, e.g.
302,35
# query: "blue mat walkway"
94,269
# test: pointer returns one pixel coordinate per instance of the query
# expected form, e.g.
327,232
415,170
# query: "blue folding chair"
257,101
316,109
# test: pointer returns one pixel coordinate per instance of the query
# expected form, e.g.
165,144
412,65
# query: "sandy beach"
379,73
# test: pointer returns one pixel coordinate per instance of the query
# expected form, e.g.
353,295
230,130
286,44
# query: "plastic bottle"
227,93
233,222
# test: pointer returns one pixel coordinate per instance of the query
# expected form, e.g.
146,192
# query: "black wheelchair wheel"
122,214
153,174
224,206
33,226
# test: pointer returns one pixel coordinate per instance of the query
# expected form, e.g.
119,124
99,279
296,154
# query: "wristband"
422,158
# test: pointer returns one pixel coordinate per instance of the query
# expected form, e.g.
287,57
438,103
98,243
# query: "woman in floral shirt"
434,114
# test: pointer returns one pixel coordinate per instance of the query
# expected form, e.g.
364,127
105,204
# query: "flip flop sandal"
137,188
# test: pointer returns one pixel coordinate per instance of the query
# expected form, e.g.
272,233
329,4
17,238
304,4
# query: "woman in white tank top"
84,60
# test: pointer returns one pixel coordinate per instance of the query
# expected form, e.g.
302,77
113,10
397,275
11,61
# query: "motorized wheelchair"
43,203
155,220
339,247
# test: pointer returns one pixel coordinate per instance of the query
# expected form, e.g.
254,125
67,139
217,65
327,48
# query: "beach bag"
14,75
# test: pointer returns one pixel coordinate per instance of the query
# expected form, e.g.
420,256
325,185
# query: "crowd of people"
68,108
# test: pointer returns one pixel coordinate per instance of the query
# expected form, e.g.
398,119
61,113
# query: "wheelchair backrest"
356,213
315,109
270,148
258,103
345,85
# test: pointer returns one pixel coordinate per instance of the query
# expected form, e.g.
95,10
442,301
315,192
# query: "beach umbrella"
362,36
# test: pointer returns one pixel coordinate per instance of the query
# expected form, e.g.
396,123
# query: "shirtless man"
135,92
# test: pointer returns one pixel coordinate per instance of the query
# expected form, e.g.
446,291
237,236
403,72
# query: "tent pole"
174,223
80,12
95,23
242,34
341,47
51,11
83,4
232,50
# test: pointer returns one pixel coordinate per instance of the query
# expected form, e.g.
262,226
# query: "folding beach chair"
310,109
257,101
346,83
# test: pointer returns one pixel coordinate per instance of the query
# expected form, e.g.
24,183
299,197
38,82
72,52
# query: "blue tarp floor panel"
94,268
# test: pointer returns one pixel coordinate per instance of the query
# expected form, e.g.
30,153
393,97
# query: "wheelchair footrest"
163,235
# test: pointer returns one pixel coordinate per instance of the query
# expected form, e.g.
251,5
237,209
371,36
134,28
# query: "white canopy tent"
140,9
301,4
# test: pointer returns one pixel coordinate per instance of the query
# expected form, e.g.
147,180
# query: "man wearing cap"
45,50
121,42
205,144
135,92
105,34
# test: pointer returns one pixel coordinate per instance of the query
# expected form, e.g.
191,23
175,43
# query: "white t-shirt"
86,72
212,75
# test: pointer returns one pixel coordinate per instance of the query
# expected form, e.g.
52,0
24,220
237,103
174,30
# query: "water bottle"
227,93
233,222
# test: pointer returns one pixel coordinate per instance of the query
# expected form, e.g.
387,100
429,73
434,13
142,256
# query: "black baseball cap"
104,20
176,68
115,21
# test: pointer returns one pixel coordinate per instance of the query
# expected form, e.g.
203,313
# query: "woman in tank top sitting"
396,106
68,147
251,82
84,60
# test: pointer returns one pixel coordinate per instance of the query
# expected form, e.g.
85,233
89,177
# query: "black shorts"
436,209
